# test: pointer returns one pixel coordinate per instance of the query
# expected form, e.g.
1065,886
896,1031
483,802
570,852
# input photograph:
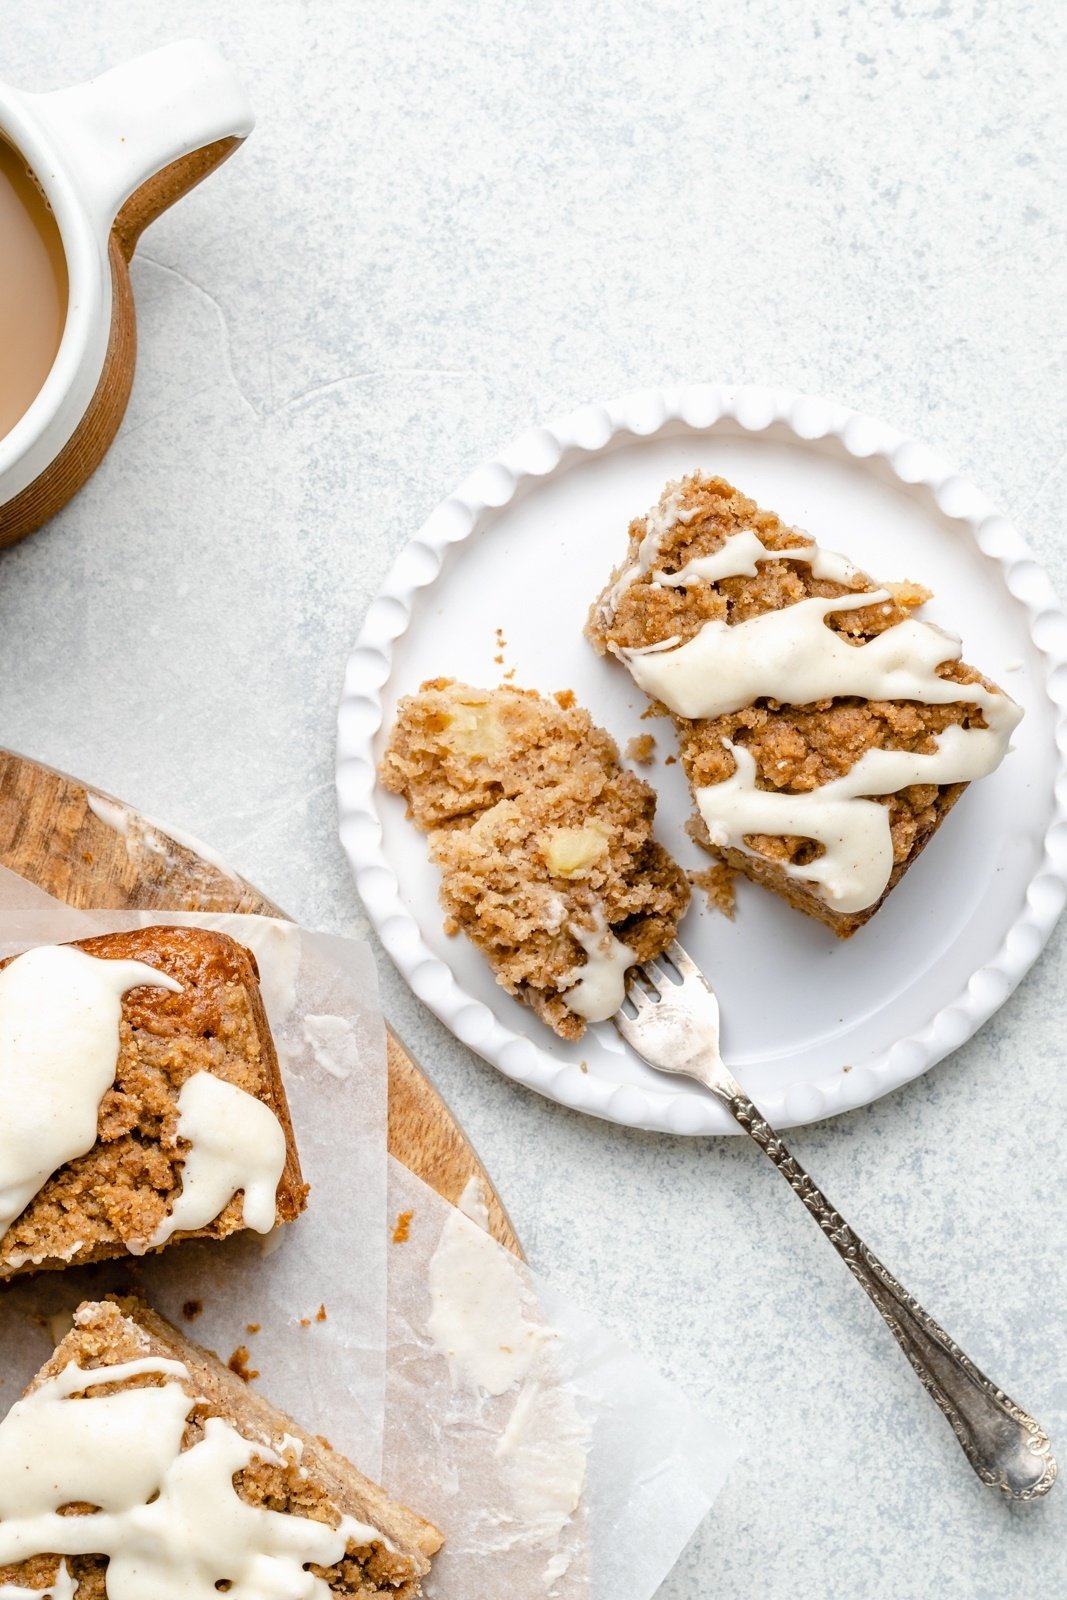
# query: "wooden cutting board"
98,852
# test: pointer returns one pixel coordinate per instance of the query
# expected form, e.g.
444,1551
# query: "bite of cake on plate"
544,841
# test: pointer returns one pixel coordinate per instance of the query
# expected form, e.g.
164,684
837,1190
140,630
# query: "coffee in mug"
108,157
33,288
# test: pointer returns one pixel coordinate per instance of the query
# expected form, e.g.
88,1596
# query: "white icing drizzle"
627,576
237,1145
110,1452
59,1045
600,986
854,869
170,1521
737,558
659,521
740,555
792,656
19,1258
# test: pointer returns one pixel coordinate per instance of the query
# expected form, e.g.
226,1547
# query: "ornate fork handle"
1005,1446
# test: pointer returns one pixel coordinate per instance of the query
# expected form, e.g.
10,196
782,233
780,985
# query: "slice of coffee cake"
825,731
136,1464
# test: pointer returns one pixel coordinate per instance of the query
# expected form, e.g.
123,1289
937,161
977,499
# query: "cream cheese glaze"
741,554
658,523
236,1145
854,869
601,983
170,1521
791,655
737,558
59,1043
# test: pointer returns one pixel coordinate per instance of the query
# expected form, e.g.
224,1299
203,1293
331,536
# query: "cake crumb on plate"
640,749
718,885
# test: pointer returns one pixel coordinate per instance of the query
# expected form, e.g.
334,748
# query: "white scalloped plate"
813,1026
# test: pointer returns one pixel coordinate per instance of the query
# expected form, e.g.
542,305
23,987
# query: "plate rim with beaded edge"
812,1032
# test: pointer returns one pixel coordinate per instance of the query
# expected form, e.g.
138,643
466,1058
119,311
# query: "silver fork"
675,1028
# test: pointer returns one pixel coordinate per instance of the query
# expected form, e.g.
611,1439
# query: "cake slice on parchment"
826,731
137,1465
544,842
140,1099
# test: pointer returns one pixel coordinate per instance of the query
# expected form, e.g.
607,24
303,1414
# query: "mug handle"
145,133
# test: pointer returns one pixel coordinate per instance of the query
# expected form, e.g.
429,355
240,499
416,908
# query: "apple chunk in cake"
544,842
826,732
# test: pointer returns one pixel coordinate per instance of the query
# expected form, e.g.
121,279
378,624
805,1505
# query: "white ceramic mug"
110,155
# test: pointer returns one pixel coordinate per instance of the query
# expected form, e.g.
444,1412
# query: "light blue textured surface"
452,220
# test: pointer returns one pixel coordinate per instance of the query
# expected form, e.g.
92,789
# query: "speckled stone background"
452,220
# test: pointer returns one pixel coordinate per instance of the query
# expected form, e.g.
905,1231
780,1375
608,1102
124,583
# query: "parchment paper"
654,1464
374,1375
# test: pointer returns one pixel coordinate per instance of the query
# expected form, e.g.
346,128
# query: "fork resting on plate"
673,1023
